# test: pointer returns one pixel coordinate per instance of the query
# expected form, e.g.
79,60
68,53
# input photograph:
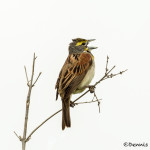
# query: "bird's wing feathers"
73,72
57,85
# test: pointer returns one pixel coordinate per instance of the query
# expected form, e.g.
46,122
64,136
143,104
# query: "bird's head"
80,45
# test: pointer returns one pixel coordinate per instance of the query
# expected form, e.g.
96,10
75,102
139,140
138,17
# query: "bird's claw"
72,104
91,88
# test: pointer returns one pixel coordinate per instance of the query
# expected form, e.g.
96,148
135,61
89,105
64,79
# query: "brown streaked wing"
57,85
75,71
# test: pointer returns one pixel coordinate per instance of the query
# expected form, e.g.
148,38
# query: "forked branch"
30,84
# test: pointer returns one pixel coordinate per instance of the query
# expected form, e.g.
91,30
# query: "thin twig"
42,124
81,96
103,78
112,75
98,102
30,85
92,101
37,78
26,75
106,69
28,101
19,137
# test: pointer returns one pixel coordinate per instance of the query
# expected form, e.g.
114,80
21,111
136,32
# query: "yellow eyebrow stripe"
79,43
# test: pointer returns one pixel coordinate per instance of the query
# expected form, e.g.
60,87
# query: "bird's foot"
72,104
91,88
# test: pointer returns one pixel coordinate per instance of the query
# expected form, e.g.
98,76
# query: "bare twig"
103,78
81,96
30,85
98,101
106,76
92,101
26,75
112,75
106,69
37,79
42,124
19,137
95,96
27,106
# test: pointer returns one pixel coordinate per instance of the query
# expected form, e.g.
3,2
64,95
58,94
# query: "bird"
75,75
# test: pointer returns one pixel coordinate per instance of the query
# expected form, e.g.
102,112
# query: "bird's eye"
83,43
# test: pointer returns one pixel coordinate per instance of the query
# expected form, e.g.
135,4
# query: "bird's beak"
91,48
90,40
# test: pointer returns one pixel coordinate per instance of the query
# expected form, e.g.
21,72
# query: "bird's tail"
66,122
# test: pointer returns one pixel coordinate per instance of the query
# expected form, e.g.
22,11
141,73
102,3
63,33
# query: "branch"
106,69
37,79
93,101
106,76
19,137
28,138
26,75
30,84
27,106
98,101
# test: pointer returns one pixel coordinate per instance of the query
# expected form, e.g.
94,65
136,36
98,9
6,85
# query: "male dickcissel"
75,75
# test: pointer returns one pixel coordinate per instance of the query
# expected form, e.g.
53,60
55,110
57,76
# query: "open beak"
91,47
